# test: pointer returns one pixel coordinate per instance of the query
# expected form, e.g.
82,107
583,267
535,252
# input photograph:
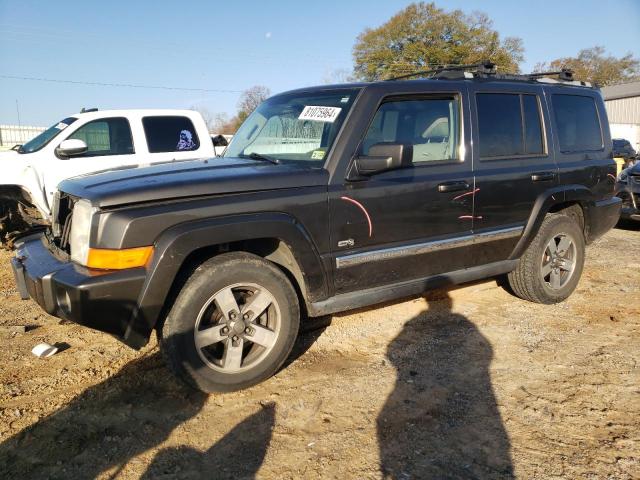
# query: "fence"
11,135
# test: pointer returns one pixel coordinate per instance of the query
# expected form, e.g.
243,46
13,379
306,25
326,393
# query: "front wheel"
550,269
233,324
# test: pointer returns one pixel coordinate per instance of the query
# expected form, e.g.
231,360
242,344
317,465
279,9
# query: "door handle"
453,187
543,176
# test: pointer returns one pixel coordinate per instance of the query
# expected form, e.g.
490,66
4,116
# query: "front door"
411,222
109,145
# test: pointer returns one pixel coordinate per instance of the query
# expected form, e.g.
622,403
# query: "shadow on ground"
442,420
136,410
103,427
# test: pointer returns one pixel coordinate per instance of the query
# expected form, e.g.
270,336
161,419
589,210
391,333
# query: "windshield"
297,127
45,137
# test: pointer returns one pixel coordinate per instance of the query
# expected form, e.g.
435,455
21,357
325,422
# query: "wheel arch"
573,200
276,237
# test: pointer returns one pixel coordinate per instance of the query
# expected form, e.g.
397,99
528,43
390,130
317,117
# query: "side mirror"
71,147
219,141
383,157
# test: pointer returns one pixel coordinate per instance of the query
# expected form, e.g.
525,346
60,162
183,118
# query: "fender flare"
544,203
176,244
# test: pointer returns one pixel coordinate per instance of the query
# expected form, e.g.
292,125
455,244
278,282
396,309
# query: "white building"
623,109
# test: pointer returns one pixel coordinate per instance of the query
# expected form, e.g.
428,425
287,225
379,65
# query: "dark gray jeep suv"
328,199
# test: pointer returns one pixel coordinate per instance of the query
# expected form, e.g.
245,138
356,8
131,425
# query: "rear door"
513,164
412,222
171,137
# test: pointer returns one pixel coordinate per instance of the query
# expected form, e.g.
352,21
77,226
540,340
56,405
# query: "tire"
214,341
545,276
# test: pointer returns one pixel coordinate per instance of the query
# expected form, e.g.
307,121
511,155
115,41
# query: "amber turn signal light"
119,259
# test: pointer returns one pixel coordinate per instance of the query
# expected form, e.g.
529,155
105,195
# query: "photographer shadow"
442,419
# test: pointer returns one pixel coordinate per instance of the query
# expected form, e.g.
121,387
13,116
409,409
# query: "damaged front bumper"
629,193
102,300
17,219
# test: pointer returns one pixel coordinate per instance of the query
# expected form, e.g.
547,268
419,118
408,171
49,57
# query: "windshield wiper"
261,157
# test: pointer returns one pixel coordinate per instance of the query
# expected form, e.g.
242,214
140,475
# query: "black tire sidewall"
553,226
178,330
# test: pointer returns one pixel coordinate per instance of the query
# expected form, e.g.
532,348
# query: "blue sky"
226,47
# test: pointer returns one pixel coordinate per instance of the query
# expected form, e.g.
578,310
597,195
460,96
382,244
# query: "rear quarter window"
170,134
577,123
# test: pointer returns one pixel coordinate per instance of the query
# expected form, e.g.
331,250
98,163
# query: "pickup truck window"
298,127
509,125
432,126
578,123
45,137
170,134
107,136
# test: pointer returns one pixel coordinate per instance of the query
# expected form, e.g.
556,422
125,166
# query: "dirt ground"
466,383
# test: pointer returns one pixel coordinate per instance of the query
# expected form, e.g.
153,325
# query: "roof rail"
488,69
482,67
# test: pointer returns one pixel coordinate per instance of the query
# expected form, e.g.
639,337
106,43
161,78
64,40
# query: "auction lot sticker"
320,114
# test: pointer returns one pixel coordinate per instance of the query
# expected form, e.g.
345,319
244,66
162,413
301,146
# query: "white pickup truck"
90,142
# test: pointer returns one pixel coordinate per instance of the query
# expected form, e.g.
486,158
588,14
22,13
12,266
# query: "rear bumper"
603,216
102,300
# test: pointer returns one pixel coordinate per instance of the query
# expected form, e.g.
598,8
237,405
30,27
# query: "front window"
45,137
297,127
107,136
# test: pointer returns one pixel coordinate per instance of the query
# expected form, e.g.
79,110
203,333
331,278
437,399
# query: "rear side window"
509,124
577,122
170,134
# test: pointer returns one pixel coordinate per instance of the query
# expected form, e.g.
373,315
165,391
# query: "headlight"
80,231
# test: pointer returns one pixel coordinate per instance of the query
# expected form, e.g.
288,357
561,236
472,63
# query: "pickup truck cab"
89,142
329,199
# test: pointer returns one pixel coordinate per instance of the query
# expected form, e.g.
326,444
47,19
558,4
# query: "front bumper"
102,300
630,196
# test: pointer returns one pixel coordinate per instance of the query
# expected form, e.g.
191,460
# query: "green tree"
594,65
422,36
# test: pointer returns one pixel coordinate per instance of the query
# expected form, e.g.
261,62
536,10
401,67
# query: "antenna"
18,110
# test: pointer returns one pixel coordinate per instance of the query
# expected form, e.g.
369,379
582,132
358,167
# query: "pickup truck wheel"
233,324
550,268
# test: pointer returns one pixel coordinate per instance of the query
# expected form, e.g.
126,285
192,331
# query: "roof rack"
488,70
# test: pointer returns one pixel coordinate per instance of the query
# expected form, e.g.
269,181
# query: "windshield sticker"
186,141
320,114
61,126
317,155
344,100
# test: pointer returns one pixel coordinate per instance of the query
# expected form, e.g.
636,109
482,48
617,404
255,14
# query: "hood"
9,155
190,179
14,167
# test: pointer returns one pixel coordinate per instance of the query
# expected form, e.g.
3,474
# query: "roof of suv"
533,79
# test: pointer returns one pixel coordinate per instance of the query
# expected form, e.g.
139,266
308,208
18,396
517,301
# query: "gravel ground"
465,383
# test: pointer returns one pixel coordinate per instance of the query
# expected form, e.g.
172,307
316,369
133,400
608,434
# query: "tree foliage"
594,65
422,36
250,99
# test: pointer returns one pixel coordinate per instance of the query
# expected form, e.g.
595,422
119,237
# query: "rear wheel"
550,269
233,324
